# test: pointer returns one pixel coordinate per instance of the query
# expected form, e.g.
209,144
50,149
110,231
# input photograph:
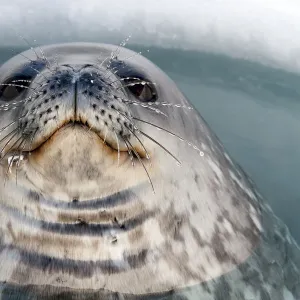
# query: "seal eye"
135,81
13,87
20,81
145,92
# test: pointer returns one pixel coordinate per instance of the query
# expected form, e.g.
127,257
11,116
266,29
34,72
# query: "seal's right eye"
145,92
13,87
20,81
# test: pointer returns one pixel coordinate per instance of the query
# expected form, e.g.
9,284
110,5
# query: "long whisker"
129,151
141,161
7,106
7,126
139,140
105,136
12,159
123,100
142,82
48,64
14,132
25,40
28,81
171,133
159,128
147,154
126,78
24,143
158,111
117,139
14,144
19,85
31,67
160,145
9,134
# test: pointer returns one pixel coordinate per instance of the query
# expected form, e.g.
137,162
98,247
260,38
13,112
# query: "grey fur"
79,221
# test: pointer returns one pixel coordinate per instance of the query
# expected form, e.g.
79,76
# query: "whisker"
122,44
101,65
171,133
10,124
48,64
147,154
142,82
9,134
13,133
129,151
141,161
160,128
132,56
117,139
28,81
12,159
169,105
123,100
10,146
125,78
28,44
115,53
7,105
31,67
139,140
32,137
37,56
105,136
158,111
19,85
149,137
19,159
160,145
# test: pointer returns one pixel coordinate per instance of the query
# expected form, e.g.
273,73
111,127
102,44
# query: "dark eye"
20,81
135,81
13,87
145,92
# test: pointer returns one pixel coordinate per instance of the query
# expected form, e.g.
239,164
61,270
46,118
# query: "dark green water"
255,112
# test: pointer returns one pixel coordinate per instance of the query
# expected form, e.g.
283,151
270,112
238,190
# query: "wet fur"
79,221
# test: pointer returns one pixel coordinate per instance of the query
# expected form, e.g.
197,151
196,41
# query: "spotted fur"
93,203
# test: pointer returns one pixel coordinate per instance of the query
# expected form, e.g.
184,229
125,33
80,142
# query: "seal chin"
75,162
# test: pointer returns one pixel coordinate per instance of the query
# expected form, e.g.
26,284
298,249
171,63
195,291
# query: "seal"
113,187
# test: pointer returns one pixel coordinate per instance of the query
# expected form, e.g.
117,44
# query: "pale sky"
260,30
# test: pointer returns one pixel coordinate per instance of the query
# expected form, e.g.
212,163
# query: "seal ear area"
19,81
135,81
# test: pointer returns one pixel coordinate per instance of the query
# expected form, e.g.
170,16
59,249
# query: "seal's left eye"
13,87
145,92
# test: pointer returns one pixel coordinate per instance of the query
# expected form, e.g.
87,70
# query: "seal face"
110,181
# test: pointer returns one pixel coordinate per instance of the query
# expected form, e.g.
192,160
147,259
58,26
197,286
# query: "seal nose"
82,94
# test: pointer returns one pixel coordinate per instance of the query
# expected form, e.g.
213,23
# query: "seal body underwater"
113,187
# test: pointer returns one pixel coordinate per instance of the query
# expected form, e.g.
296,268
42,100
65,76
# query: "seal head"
109,179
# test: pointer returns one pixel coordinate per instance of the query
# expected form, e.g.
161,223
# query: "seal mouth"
89,129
